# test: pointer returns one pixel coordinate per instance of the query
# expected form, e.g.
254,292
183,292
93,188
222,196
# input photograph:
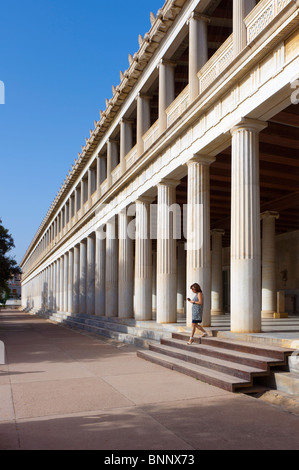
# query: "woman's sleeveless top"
197,310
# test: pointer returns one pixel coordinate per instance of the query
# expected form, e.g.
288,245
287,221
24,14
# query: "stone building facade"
190,175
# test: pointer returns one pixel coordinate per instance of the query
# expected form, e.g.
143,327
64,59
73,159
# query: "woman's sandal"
191,340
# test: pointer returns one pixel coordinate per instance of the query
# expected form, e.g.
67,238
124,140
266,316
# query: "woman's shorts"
196,321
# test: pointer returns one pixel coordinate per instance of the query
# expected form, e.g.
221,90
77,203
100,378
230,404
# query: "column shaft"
166,91
216,278
166,253
241,8
90,284
143,261
125,268
268,264
100,273
70,280
198,232
198,50
111,294
82,280
76,279
143,120
245,228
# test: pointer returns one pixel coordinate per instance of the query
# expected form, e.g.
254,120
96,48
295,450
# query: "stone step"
266,350
225,363
128,331
249,359
212,377
242,371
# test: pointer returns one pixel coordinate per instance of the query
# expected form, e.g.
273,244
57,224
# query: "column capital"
168,182
143,96
269,215
195,15
166,62
145,199
217,231
202,159
249,124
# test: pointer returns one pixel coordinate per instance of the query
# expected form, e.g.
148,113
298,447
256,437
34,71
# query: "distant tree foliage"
8,266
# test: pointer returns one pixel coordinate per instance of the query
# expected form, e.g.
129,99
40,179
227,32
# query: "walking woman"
197,311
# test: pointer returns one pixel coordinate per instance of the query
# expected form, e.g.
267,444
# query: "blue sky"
58,61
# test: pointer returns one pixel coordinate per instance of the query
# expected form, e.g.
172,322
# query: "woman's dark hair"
197,287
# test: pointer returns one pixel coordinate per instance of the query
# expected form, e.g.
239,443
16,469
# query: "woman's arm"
199,296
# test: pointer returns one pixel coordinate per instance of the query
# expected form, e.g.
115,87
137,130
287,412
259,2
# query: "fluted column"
143,120
100,273
111,292
54,277
90,282
101,172
143,261
70,281
76,279
268,263
166,91
82,277
181,276
125,267
241,8
198,232
112,158
65,283
126,141
166,253
58,285
61,296
216,278
245,228
198,50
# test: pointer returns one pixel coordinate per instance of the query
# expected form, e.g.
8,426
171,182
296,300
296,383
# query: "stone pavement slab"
61,389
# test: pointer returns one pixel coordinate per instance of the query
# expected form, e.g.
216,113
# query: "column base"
280,315
217,312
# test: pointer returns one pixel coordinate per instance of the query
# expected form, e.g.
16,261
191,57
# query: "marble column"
166,91
82,277
58,284
126,141
198,50
241,8
143,120
76,279
112,158
54,306
100,273
166,253
143,261
101,172
125,268
198,232
216,278
181,276
65,283
90,280
70,281
245,228
61,296
111,291
268,264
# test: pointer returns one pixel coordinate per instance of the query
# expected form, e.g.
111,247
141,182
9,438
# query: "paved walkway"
61,389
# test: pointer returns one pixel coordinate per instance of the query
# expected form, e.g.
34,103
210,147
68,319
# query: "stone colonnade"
98,275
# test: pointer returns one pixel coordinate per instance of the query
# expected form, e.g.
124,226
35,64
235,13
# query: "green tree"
8,265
